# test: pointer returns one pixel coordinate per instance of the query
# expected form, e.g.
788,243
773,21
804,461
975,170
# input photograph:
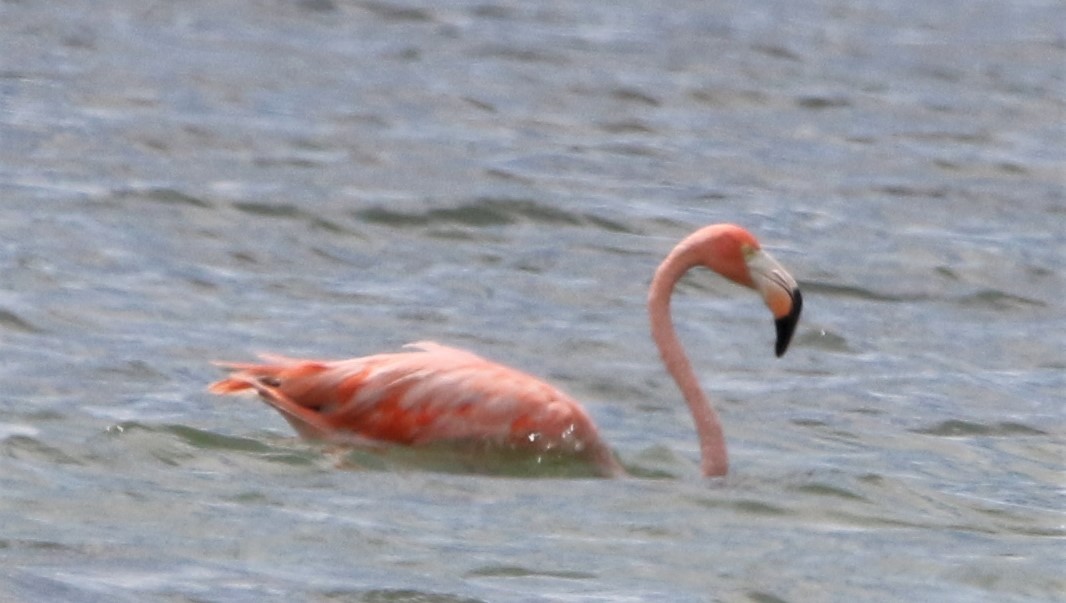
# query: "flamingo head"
736,254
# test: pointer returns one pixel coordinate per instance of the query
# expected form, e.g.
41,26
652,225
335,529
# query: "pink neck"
715,460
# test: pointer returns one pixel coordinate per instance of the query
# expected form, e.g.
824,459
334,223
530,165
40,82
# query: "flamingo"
433,393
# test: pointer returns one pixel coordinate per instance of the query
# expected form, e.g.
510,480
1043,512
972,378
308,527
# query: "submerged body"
437,394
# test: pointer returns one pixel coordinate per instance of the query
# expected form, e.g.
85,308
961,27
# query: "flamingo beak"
781,294
786,325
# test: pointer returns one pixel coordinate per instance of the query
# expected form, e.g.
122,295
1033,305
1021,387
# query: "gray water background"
188,181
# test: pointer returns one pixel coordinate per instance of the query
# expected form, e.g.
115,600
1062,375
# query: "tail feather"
244,375
266,380
229,385
249,375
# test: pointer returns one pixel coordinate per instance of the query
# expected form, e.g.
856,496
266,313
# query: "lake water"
182,182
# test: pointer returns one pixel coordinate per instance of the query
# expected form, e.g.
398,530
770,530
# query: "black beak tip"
786,325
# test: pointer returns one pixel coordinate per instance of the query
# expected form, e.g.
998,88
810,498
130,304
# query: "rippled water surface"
187,181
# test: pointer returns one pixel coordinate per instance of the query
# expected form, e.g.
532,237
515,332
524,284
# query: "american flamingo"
437,394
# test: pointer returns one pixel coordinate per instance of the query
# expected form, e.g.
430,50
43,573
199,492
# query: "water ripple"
289,211
955,428
834,290
164,195
994,299
517,571
388,11
486,212
14,322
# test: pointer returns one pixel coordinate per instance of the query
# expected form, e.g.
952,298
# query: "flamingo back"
431,393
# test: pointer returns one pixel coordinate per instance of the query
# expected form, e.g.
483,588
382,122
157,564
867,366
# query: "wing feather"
428,393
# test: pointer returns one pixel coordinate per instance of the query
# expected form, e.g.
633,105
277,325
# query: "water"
192,181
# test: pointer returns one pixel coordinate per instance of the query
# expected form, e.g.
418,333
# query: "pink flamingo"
434,393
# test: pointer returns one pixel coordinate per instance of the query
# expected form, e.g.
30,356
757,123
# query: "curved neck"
714,459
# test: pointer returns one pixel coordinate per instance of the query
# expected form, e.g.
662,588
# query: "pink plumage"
428,394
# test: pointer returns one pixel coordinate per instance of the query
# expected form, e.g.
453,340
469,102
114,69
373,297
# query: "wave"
487,212
956,428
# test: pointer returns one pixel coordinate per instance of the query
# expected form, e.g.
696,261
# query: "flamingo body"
433,393
429,394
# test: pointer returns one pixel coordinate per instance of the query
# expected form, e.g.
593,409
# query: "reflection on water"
187,182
